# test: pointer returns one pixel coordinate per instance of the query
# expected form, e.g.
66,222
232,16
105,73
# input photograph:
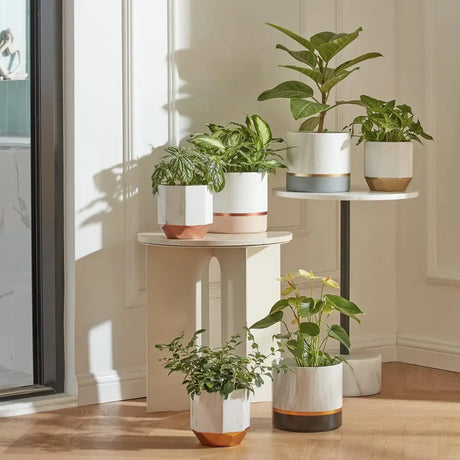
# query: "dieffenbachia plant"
316,58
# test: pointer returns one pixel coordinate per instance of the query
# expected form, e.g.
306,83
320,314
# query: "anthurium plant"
181,166
312,103
216,370
241,147
387,122
307,331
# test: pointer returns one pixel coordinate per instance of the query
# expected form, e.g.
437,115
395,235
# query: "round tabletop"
219,240
353,195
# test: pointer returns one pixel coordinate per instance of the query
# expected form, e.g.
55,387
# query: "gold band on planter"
240,214
308,414
318,175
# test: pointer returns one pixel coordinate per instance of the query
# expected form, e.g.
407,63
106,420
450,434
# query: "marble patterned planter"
185,211
388,165
219,422
242,206
318,162
308,399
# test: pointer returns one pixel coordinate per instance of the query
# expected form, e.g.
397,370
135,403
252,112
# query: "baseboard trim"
115,385
37,404
430,352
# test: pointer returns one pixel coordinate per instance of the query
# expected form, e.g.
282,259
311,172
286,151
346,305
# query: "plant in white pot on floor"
387,130
184,180
219,382
317,161
247,155
309,396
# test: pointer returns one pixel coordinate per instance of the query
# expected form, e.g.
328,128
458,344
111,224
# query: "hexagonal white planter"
219,422
185,211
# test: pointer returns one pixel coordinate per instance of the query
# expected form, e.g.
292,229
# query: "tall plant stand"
363,375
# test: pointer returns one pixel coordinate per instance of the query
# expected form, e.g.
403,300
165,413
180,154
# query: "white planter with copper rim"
318,162
388,165
308,399
242,206
185,211
219,422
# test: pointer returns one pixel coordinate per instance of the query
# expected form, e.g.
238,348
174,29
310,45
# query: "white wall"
163,69
428,232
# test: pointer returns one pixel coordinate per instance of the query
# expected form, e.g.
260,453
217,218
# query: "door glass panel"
16,337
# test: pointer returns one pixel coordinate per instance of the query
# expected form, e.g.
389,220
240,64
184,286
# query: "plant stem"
322,115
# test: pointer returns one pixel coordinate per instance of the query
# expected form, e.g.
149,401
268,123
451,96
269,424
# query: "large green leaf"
344,306
263,130
352,62
316,76
299,39
287,89
305,56
327,86
328,50
279,306
309,328
324,37
268,321
310,124
304,109
338,333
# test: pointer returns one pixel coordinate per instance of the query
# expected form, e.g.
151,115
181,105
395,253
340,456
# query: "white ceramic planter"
308,398
388,165
318,162
242,206
219,422
184,211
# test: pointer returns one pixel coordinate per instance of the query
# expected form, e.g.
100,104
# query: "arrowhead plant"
305,320
307,102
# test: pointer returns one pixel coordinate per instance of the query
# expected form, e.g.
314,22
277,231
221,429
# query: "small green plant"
387,122
310,333
216,370
180,166
316,56
241,147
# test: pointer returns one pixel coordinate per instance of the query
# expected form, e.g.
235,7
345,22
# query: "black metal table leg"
345,263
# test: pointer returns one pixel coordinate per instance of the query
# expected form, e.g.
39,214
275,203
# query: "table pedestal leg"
249,288
174,291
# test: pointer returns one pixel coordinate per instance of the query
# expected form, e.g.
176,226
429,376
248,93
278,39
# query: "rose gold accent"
307,414
388,184
239,224
186,232
318,175
240,214
221,439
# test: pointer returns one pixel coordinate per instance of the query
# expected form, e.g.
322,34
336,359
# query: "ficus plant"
315,58
307,332
386,122
217,370
181,166
241,147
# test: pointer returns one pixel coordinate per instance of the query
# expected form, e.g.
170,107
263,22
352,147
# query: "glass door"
16,279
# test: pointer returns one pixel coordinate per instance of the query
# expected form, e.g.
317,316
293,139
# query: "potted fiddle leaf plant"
247,155
317,160
309,396
184,180
387,130
219,382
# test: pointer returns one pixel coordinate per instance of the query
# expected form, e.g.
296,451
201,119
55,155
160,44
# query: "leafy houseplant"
247,154
387,130
319,161
218,381
183,180
313,368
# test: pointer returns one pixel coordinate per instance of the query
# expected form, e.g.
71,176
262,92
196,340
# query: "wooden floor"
417,416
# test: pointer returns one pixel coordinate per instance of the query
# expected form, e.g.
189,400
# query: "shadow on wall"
107,333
